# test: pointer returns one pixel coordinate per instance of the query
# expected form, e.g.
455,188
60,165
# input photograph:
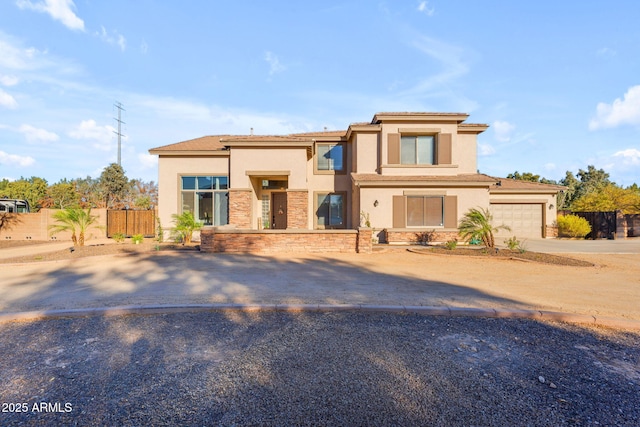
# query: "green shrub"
137,238
451,244
118,237
573,226
512,243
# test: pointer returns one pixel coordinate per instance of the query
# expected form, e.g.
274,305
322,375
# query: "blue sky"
559,82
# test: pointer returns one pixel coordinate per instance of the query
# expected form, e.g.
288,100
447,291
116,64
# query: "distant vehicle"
14,206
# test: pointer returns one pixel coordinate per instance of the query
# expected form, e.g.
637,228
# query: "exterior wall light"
375,204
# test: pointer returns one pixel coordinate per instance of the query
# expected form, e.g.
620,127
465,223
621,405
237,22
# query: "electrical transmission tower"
120,108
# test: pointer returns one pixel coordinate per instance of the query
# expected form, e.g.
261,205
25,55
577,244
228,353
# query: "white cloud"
15,57
89,130
112,39
33,134
59,10
450,58
147,161
424,8
503,130
624,111
7,100
485,150
274,63
629,157
550,166
15,160
8,80
605,51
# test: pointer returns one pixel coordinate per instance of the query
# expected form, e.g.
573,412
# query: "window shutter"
399,212
444,149
451,212
393,148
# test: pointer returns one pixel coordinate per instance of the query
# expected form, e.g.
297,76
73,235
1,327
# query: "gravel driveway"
275,368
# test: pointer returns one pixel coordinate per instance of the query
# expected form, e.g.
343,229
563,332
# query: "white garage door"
525,220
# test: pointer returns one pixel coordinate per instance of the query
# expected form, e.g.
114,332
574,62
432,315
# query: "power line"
120,108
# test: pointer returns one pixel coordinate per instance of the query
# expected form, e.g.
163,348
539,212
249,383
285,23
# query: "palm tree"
186,224
76,221
477,224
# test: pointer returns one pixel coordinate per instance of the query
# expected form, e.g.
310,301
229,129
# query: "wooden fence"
129,223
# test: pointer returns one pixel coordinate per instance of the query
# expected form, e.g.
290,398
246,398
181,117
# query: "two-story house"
402,173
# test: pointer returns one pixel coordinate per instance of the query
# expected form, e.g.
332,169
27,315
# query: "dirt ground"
609,288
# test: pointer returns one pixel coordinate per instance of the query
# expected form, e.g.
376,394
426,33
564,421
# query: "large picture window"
417,150
207,197
330,157
425,211
331,210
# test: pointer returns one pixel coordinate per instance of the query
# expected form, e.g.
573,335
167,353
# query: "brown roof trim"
508,185
419,116
205,144
473,128
465,180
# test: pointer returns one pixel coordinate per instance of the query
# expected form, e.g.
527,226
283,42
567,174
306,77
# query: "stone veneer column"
365,242
298,209
240,208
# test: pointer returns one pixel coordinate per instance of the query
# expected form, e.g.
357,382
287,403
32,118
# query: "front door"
279,210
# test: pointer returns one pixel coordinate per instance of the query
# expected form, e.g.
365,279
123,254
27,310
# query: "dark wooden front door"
279,211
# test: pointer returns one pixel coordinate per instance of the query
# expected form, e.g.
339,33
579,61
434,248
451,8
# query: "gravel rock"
278,368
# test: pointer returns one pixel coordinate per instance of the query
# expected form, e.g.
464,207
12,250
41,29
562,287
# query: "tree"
76,221
607,199
115,186
185,225
526,176
62,195
33,190
587,181
143,195
477,223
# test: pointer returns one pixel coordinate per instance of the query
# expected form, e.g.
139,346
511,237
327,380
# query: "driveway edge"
617,323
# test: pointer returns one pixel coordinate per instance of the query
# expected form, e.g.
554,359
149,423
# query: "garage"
524,219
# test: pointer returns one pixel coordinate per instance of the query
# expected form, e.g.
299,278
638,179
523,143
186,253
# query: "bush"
515,245
118,237
426,237
451,244
137,238
512,243
573,226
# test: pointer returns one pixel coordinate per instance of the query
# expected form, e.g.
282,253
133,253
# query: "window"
330,211
207,197
417,150
425,211
330,157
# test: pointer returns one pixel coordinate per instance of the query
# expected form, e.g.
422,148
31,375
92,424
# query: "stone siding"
240,208
551,231
404,236
213,239
365,242
297,209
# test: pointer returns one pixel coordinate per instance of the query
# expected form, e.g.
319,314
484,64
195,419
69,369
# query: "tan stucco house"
403,173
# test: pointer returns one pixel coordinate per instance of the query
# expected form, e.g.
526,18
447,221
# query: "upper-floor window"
330,157
417,150
207,197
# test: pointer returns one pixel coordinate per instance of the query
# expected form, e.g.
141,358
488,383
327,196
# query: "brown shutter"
451,212
393,148
399,212
444,149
